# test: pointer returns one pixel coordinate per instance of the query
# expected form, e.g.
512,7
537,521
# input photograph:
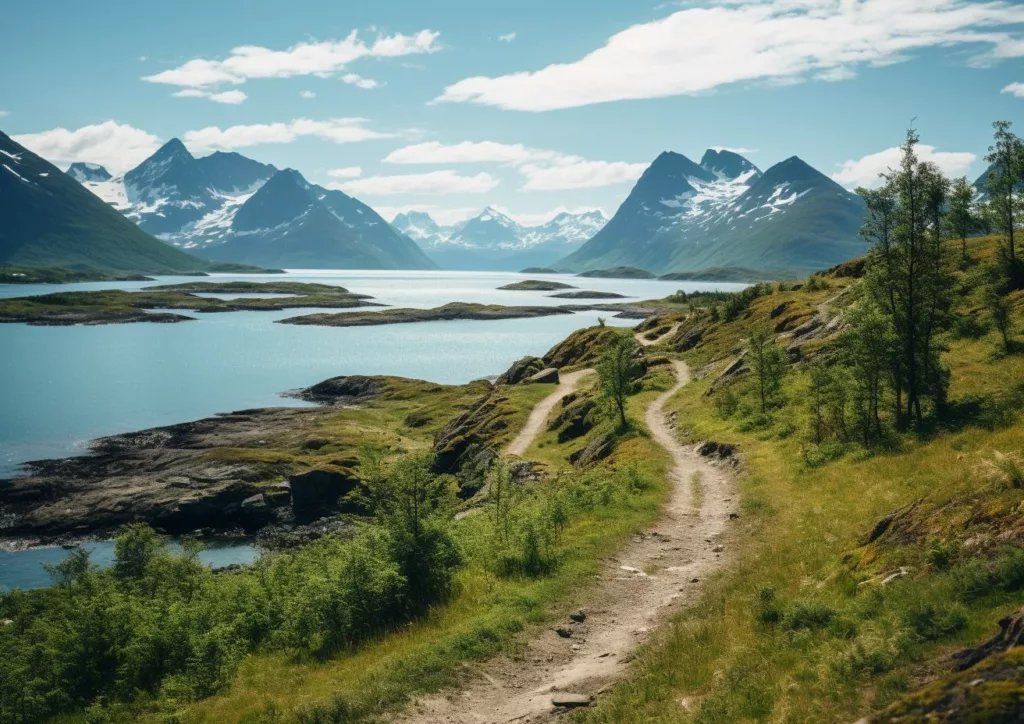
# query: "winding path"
644,342
539,415
653,575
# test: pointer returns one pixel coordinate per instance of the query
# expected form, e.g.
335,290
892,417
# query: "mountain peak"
82,172
172,148
727,164
794,170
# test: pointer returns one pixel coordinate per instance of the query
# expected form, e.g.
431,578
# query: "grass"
801,629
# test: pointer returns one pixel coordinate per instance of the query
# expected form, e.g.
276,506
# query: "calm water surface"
63,386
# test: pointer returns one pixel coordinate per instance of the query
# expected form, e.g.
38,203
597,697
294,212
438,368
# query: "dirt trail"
644,342
656,573
566,384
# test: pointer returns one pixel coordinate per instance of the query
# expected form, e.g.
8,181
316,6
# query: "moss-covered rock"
521,370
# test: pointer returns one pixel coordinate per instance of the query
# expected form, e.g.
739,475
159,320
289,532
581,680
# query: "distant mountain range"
228,207
50,220
493,241
724,213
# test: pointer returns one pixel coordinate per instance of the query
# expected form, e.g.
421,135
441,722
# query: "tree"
868,346
963,217
817,399
907,276
1001,310
1006,172
768,363
617,369
135,549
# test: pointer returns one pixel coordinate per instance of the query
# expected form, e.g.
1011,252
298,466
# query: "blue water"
63,386
24,569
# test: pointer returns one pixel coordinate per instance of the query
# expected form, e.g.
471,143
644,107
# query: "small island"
55,275
618,272
535,285
588,294
449,312
117,306
539,270
720,274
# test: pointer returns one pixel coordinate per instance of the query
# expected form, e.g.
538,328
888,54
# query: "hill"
52,220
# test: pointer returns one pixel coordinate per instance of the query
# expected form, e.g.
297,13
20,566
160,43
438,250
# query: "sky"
533,107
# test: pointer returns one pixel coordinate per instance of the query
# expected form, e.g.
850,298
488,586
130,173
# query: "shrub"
936,621
810,615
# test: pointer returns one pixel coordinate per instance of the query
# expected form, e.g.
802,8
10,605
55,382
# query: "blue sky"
531,106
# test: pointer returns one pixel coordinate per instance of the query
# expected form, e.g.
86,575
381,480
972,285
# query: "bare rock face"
597,449
576,418
470,432
317,492
545,376
521,370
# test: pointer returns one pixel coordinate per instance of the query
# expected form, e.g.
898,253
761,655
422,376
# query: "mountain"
725,213
291,223
493,241
50,219
196,203
82,172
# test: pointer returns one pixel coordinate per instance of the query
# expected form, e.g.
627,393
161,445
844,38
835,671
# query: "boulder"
472,430
278,496
575,420
343,389
597,449
545,376
1011,634
720,450
521,370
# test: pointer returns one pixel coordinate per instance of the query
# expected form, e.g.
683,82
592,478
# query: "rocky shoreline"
449,312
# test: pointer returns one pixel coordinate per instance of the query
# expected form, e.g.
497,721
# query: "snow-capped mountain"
493,241
49,219
726,213
82,172
216,206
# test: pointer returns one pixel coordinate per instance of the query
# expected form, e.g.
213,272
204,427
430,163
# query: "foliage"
617,369
768,363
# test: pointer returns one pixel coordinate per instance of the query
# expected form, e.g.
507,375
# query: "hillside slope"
50,219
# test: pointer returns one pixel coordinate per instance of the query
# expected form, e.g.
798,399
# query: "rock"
687,339
1011,634
278,496
720,450
886,521
343,389
317,492
597,449
570,701
416,419
575,420
578,617
777,311
564,632
548,375
254,502
470,432
521,370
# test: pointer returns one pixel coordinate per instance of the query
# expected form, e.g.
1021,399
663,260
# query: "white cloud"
117,146
697,49
4,114
307,94
1016,89
866,171
232,97
321,59
507,37
338,130
347,172
358,81
143,58
432,183
542,169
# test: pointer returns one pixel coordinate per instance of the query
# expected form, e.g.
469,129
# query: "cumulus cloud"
700,48
4,114
431,184
232,97
542,169
740,150
117,146
866,171
322,59
359,82
1016,89
307,94
347,172
507,37
338,130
